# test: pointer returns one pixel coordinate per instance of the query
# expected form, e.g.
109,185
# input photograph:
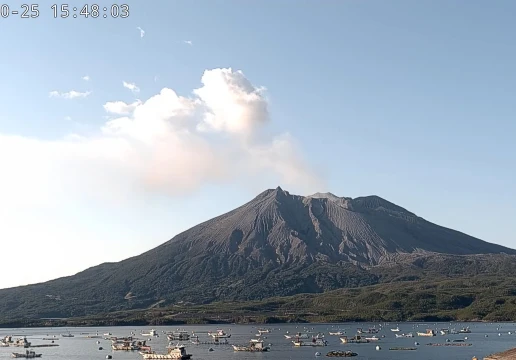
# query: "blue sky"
411,101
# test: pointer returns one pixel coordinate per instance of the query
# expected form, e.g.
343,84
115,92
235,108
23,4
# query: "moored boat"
29,354
429,332
354,340
315,342
151,333
341,354
178,353
178,335
254,346
219,333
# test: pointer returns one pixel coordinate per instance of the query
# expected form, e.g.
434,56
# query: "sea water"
84,348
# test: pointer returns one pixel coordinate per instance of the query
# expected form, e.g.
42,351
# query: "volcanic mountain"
276,244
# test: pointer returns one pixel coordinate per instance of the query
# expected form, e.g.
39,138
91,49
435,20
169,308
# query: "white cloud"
131,86
68,118
120,107
86,78
70,94
188,42
168,144
142,32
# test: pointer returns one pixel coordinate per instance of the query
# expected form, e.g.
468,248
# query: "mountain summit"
276,244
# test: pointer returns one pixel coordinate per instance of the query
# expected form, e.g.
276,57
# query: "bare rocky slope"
277,244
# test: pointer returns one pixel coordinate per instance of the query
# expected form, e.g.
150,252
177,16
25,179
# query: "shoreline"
85,323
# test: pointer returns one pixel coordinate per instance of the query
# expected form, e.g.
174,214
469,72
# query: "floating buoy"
465,338
416,343
100,348
378,347
318,354
210,349
485,335
109,357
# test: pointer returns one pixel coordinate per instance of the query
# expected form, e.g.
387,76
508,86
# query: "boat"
129,345
465,330
372,330
407,335
429,332
219,333
150,333
336,353
444,331
67,335
263,331
254,346
108,334
396,329
29,354
338,333
354,340
315,342
178,335
402,348
177,352
372,338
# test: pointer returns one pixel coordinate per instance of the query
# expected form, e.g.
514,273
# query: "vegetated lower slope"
278,244
483,297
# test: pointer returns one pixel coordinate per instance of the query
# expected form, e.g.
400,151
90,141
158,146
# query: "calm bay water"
81,347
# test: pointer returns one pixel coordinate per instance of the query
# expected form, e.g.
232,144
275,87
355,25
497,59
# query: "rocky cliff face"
276,244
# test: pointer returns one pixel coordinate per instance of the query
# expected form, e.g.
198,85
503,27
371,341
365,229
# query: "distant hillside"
278,244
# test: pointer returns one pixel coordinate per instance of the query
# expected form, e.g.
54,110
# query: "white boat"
67,335
108,334
372,338
254,346
29,354
178,335
299,336
338,333
465,330
407,335
178,352
396,329
429,332
263,331
150,333
219,334
314,342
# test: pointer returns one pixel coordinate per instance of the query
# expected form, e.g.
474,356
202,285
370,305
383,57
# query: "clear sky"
114,139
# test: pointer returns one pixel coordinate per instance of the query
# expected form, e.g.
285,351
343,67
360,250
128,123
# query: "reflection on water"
485,339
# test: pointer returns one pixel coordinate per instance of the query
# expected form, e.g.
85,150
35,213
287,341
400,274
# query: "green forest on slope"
481,298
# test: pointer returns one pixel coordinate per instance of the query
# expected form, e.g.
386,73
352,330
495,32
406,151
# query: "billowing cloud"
86,78
70,94
131,86
188,42
168,144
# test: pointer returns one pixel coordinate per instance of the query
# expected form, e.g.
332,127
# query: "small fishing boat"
29,354
150,333
354,340
315,342
254,346
336,353
396,329
407,335
338,333
177,353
